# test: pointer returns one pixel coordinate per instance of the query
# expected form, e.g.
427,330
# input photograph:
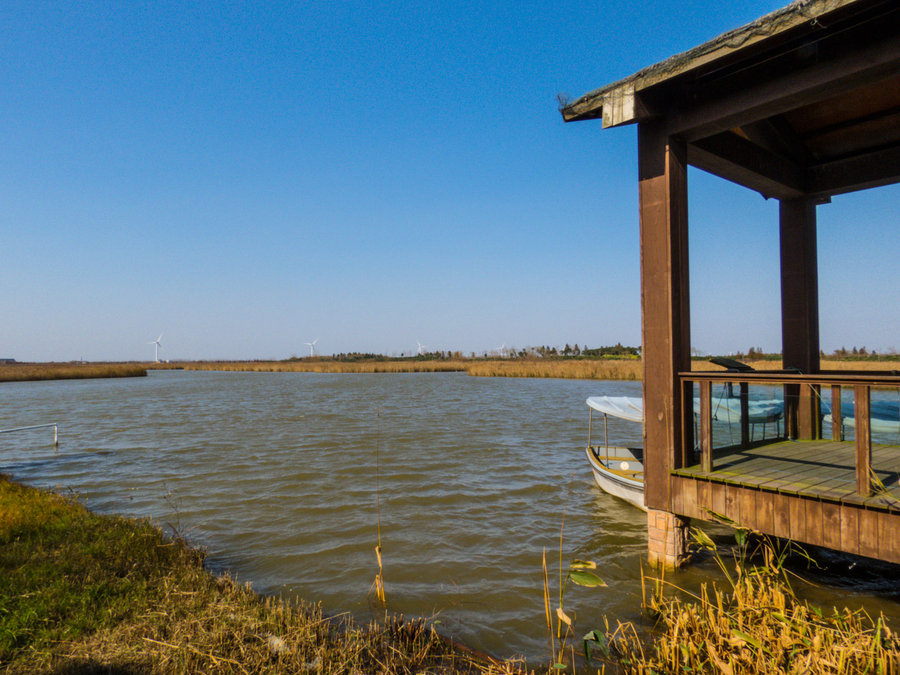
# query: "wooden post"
800,313
706,442
863,441
665,315
837,415
745,416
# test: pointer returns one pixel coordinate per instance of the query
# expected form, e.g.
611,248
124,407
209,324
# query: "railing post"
706,463
861,395
745,415
837,415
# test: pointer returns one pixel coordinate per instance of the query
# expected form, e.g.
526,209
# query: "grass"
755,624
23,372
85,593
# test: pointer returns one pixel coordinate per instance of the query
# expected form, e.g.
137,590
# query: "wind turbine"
312,346
502,350
420,350
158,344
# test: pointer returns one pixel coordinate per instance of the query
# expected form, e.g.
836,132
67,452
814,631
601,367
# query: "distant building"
7,360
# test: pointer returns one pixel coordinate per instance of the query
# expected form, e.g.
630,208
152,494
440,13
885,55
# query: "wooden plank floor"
821,469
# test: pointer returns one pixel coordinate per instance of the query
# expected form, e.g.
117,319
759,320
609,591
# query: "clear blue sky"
245,177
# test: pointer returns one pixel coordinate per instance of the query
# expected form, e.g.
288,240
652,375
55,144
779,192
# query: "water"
284,477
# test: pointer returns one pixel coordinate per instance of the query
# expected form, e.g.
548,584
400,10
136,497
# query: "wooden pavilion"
800,105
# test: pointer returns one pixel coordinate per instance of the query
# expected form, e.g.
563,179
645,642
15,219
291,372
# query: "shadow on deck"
820,469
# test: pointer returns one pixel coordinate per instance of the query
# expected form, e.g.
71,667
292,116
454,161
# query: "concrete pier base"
666,539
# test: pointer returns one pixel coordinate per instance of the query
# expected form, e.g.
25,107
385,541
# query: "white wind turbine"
502,350
158,344
420,348
312,346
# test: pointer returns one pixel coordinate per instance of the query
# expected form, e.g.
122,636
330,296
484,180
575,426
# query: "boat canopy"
624,407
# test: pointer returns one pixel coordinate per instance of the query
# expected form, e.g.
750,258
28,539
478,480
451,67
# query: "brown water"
283,478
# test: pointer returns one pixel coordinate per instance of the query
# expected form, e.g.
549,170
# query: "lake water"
284,477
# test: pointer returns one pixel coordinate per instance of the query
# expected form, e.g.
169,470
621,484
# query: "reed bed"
85,593
327,366
580,369
756,624
23,372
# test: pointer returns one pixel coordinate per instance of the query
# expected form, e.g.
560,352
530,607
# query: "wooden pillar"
665,315
800,313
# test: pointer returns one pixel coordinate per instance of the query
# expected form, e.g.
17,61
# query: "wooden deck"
821,469
799,490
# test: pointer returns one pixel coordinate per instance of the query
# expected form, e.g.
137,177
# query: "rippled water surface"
281,476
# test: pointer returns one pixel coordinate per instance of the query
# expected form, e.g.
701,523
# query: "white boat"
618,470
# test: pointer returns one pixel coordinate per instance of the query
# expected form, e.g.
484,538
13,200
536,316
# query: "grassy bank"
84,593
23,372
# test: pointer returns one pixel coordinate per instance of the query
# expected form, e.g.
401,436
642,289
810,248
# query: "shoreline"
601,369
87,592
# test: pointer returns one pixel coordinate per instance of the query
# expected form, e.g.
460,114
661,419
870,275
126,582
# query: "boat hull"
615,473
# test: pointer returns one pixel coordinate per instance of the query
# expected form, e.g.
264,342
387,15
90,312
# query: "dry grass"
755,625
22,372
83,593
577,369
327,366
596,369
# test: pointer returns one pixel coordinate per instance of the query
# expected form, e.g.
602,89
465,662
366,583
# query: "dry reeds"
324,366
23,372
755,625
576,369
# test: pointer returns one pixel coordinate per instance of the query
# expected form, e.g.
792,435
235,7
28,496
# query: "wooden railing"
802,394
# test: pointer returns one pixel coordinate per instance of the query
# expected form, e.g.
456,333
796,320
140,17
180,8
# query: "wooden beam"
860,172
741,161
840,71
665,306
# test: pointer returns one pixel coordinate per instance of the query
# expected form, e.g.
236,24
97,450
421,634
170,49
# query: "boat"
618,470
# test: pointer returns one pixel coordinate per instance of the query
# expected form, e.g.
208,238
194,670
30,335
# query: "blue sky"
245,177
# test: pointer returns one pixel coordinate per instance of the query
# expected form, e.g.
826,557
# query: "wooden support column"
800,314
665,315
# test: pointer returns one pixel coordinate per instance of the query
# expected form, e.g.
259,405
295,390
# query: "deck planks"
801,490
821,469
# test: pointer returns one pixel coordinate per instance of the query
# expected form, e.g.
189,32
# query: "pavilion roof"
804,101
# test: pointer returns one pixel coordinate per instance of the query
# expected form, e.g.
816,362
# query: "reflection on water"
277,475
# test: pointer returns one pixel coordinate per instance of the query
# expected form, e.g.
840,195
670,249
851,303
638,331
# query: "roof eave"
619,103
